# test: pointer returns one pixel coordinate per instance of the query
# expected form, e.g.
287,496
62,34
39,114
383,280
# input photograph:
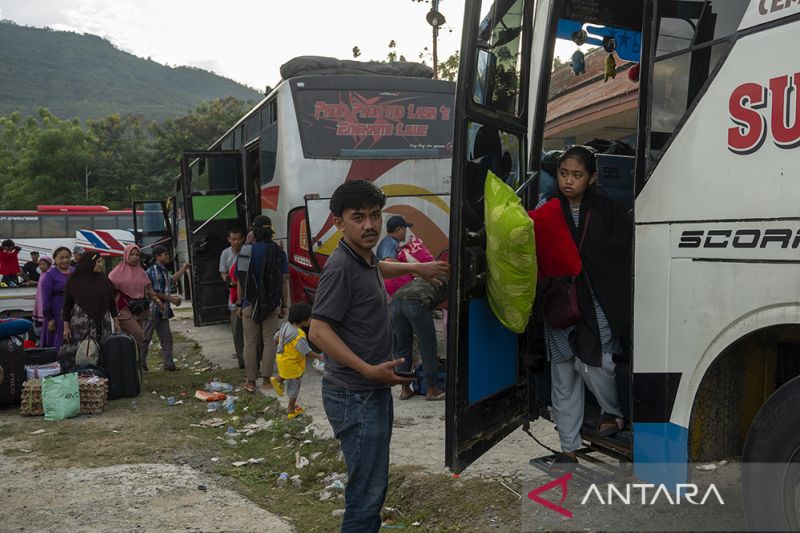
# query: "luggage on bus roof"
319,65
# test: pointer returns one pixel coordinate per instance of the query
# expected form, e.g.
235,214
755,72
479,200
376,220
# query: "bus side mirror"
484,76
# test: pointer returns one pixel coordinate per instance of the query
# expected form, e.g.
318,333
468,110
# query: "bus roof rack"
319,65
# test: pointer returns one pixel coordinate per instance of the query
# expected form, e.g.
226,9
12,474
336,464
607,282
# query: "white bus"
715,350
288,154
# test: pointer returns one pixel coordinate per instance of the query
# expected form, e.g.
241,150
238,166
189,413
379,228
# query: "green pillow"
510,254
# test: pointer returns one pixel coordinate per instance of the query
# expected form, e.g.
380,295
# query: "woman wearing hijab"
89,307
133,294
45,262
51,289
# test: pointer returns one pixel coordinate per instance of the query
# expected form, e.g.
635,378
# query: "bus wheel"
771,463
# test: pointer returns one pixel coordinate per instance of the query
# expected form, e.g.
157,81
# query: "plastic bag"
61,397
510,255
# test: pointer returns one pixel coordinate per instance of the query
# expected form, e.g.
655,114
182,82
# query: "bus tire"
770,494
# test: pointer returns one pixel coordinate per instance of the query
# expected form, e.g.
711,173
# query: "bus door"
213,202
151,227
489,392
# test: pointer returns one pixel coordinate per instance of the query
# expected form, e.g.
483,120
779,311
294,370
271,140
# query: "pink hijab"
127,279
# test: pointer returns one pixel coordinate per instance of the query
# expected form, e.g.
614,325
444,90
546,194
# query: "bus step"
588,469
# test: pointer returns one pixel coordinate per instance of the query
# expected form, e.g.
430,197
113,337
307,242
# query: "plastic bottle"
229,404
283,479
213,406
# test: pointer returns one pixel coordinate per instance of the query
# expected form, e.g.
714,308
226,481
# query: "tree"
557,63
448,69
356,52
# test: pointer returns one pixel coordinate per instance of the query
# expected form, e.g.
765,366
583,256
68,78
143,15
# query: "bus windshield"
374,123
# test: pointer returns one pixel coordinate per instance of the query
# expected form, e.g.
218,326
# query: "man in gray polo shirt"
350,323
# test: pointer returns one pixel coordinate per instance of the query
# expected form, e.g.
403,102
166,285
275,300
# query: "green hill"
85,76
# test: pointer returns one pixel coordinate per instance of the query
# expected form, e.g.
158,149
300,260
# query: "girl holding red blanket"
586,235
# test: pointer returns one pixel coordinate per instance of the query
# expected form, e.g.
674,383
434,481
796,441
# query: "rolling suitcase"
12,359
121,363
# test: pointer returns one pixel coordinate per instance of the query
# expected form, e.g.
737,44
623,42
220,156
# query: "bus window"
78,223
105,222
227,143
500,44
269,153
6,227
273,112
686,55
264,117
686,23
27,227
488,149
125,222
54,227
252,127
218,174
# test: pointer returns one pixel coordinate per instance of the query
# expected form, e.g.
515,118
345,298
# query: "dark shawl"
90,290
607,265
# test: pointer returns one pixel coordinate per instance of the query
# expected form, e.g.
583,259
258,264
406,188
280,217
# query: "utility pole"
435,19
87,173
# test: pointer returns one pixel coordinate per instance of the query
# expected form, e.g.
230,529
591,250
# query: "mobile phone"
404,373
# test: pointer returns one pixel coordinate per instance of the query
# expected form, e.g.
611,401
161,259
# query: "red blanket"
556,252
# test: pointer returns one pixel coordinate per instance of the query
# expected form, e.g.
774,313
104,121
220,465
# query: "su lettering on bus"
747,106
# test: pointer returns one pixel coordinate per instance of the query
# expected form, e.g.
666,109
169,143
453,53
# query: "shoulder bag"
560,296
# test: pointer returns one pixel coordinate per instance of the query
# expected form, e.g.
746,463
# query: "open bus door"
214,202
490,386
151,227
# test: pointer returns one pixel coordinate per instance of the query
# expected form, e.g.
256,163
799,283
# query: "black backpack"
268,290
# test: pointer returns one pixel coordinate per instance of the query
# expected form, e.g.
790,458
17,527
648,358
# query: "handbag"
561,309
88,352
137,306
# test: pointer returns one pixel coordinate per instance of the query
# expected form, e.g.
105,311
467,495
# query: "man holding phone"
350,324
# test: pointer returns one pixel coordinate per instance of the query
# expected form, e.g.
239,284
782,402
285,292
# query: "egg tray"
94,397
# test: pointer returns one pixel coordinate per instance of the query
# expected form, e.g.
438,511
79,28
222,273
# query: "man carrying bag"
263,298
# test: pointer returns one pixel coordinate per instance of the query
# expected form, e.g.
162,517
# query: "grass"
147,430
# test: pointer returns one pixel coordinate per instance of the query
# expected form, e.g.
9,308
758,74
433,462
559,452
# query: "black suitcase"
12,359
41,356
121,363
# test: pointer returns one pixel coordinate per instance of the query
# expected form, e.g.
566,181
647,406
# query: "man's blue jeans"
409,317
362,421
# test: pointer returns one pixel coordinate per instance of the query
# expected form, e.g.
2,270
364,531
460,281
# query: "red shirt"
232,276
9,262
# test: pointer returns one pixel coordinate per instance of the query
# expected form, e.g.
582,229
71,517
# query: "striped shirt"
162,283
558,346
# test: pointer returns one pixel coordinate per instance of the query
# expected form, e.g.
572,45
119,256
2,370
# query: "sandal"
249,386
439,397
297,411
563,463
609,422
406,394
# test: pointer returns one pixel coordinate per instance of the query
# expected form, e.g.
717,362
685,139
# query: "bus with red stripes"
94,227
327,122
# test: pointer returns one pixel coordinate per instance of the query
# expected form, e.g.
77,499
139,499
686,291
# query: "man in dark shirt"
350,323
31,268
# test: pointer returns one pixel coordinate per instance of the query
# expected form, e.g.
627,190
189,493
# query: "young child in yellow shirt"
291,355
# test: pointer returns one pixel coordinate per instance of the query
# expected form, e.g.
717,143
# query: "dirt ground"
418,433
142,497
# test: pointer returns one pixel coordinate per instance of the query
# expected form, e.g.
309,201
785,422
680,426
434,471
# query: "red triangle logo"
560,482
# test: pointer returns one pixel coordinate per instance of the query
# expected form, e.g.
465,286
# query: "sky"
247,40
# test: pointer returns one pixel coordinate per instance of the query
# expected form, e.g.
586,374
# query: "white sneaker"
318,365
